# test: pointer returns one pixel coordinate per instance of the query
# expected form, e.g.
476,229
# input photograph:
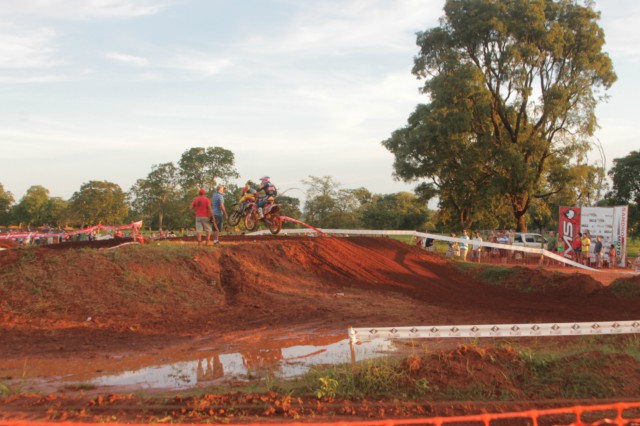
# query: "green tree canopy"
205,167
154,196
401,211
329,206
31,210
625,188
99,202
513,87
6,203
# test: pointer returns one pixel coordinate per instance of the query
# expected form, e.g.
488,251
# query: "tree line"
163,197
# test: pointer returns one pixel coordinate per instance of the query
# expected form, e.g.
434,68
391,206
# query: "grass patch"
624,288
590,367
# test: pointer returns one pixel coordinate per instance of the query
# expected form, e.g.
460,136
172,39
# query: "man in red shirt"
201,208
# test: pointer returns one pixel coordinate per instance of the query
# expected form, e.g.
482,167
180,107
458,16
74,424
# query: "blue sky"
104,89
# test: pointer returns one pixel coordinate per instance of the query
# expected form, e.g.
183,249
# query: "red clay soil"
81,300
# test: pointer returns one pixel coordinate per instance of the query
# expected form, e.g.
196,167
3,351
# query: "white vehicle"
527,239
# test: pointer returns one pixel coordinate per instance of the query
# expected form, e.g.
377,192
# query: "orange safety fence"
605,414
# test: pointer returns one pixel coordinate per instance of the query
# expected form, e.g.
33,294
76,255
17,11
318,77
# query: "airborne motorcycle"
271,216
239,212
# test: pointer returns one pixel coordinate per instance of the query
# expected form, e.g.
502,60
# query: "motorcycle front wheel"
234,218
251,221
275,224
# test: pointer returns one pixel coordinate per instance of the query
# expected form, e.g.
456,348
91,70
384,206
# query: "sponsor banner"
620,217
494,330
569,227
598,221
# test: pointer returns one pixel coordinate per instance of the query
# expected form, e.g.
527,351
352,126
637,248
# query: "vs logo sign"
569,226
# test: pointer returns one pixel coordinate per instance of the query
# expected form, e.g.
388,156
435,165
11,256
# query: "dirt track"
65,304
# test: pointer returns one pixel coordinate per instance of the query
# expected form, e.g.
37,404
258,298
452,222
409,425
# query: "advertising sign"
620,217
610,223
569,225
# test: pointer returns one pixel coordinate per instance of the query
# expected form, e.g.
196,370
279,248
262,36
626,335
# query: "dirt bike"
239,212
271,216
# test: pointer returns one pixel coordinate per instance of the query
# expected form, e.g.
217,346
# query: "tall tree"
156,194
513,86
205,167
6,202
626,187
31,210
99,202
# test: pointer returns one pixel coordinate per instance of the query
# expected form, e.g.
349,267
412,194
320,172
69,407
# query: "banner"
598,221
569,224
620,217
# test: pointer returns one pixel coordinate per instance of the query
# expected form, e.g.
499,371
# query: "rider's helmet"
264,178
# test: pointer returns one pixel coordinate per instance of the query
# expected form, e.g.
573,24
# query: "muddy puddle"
193,365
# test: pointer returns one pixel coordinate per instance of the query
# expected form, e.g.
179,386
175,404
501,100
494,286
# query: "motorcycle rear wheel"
251,221
275,224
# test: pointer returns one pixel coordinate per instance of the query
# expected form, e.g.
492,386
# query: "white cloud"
22,48
21,79
360,24
622,32
124,58
81,9
199,63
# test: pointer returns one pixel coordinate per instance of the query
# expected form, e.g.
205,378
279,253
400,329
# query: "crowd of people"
584,249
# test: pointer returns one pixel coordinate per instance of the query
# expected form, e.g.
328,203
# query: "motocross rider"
248,193
269,191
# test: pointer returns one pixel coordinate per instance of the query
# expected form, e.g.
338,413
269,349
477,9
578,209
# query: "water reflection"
243,364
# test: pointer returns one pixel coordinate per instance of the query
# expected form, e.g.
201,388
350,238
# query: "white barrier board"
494,330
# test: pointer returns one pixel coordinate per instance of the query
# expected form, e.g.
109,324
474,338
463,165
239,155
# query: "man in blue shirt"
219,212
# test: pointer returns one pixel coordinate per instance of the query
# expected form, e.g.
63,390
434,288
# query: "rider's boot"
260,213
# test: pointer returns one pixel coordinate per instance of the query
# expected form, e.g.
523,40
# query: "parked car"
527,239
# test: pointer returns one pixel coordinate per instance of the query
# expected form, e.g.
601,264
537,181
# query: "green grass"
624,288
583,367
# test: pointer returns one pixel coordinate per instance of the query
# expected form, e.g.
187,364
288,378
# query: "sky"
105,89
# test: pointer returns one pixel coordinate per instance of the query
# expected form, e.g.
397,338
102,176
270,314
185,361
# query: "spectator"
219,212
585,241
597,251
613,261
428,244
453,249
476,250
464,247
577,247
552,244
201,208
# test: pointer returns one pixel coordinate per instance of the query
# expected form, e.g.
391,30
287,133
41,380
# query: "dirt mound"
49,295
8,244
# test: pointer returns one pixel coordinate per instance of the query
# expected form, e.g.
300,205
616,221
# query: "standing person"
560,249
477,249
219,212
613,261
585,241
597,251
201,208
552,244
576,244
464,247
